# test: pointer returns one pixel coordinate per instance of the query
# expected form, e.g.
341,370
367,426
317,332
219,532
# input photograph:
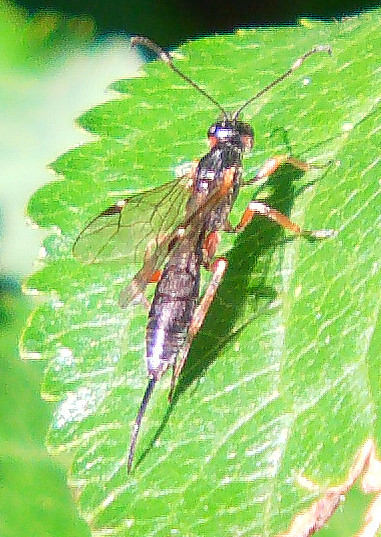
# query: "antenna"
138,421
294,67
166,58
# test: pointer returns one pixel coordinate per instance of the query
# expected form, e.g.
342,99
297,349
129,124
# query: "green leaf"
282,380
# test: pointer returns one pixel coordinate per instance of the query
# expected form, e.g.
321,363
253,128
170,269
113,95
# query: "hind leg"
218,268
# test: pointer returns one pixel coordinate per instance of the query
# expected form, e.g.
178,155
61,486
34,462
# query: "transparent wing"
189,228
134,228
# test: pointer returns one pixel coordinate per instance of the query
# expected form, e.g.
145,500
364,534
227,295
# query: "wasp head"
231,132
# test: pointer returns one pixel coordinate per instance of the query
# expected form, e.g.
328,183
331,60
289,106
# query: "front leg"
257,207
271,165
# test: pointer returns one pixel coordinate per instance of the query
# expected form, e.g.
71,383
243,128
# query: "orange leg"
271,165
218,268
209,248
134,291
156,276
257,207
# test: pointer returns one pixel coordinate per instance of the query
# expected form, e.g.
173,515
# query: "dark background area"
172,21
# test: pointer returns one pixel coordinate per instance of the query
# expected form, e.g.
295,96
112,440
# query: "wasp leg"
271,165
156,276
134,291
142,297
209,248
218,268
257,207
146,303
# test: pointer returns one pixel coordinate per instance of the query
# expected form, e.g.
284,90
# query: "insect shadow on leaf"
261,239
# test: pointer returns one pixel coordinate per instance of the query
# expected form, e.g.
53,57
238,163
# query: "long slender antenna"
138,421
295,65
166,58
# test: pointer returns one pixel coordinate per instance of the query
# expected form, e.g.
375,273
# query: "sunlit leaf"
283,379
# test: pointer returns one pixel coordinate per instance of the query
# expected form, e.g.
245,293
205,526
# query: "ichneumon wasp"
185,240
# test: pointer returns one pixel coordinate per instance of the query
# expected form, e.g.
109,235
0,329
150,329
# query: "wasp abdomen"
172,309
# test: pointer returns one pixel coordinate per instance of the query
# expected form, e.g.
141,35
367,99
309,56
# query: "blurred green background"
57,59
172,21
